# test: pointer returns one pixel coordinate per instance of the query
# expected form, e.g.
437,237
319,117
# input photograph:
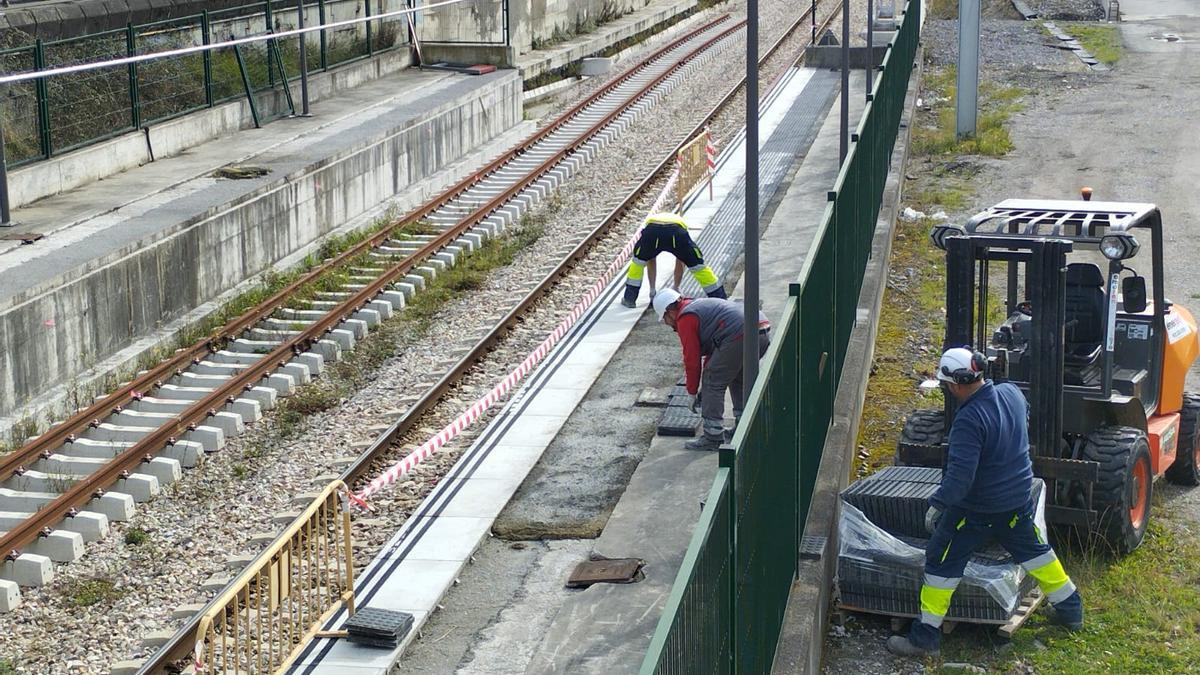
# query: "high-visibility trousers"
658,238
959,533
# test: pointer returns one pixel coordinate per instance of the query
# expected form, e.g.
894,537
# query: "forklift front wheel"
1124,487
1185,470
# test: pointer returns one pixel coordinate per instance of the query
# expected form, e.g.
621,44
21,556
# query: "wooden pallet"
1025,609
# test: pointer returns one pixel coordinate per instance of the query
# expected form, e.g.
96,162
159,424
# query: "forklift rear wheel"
921,440
1123,490
1185,470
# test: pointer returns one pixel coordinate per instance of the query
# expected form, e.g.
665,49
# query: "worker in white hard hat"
710,332
668,232
986,494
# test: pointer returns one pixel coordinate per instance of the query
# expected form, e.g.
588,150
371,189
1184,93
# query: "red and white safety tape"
497,393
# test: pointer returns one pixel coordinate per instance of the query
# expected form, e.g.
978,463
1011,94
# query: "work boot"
1068,613
626,302
900,645
704,442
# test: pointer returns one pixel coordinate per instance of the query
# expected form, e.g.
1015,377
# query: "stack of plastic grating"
376,627
678,419
881,553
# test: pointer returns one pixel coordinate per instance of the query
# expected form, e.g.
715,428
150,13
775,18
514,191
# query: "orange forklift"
1101,359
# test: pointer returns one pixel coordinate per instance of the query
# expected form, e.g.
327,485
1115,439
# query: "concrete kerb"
802,639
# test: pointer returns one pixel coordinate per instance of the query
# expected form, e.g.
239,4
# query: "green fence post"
206,38
726,459
324,43
237,52
135,105
273,51
267,19
370,42
43,100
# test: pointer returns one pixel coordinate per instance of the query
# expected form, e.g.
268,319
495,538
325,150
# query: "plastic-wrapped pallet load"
881,571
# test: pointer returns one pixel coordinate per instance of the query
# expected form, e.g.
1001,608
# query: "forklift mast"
966,318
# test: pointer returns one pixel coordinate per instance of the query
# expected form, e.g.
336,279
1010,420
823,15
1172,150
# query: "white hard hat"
663,301
961,365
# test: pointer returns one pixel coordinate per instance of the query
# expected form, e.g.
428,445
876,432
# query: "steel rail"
182,641
92,485
78,422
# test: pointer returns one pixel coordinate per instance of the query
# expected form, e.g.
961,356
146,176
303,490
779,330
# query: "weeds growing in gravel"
136,536
935,132
1101,39
21,432
88,592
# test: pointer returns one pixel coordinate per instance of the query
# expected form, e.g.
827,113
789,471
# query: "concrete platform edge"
801,641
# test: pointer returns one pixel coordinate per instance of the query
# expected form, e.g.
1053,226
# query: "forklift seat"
1084,314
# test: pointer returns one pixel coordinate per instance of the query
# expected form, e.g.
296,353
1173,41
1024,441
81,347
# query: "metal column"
750,324
844,145
967,86
303,60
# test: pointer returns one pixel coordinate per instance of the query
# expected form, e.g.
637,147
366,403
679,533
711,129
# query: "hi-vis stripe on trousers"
674,239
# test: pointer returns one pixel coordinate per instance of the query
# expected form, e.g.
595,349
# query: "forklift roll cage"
1040,234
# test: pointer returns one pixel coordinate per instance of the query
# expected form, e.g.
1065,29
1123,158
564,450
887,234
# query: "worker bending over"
668,232
986,493
710,328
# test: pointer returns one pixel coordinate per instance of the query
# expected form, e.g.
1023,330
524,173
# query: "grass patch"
88,592
935,133
136,536
7,667
21,432
1101,39
308,400
943,9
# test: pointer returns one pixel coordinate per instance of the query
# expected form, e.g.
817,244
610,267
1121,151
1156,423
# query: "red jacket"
688,328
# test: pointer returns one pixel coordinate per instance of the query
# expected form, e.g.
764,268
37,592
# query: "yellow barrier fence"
695,160
279,601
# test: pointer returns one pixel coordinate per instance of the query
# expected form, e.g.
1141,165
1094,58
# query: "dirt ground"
1130,134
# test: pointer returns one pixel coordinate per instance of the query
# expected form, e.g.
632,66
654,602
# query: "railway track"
63,487
387,447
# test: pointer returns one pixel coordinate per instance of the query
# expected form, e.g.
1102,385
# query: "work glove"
932,516
696,403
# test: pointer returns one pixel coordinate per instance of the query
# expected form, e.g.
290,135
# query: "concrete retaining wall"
64,172
103,308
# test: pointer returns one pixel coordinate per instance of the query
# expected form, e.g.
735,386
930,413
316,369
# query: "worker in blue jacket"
986,493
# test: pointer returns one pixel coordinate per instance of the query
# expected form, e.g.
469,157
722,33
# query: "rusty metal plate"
23,237
614,571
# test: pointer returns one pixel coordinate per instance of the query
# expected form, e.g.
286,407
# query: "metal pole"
5,215
844,145
750,324
304,112
967,86
870,68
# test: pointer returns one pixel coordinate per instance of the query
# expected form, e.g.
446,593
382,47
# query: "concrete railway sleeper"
126,447
384,448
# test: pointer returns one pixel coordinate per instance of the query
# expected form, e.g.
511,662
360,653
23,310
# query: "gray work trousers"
724,371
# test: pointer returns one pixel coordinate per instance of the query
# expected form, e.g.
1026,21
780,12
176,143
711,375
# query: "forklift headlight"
941,233
1118,246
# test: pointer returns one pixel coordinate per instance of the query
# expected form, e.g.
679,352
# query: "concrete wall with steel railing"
90,163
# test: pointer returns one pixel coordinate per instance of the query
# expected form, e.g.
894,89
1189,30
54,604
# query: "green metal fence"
726,608
50,116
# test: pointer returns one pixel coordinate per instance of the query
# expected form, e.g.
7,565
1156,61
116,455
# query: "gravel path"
212,512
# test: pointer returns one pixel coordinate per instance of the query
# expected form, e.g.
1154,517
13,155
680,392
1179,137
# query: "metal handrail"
196,49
